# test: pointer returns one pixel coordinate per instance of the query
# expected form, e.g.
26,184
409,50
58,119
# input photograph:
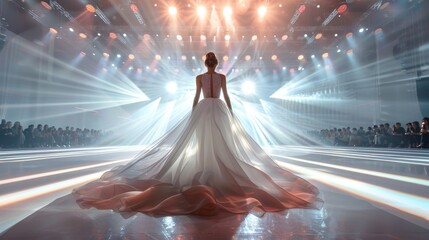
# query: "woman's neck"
211,70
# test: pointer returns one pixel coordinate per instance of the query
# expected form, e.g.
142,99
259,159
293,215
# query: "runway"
369,193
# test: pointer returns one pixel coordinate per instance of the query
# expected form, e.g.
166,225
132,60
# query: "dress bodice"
211,85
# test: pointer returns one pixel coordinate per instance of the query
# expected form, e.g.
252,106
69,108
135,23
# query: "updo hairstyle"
211,60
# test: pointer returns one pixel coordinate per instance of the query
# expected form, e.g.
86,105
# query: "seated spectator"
29,136
398,136
424,140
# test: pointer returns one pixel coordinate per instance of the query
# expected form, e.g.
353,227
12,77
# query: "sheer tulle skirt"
205,164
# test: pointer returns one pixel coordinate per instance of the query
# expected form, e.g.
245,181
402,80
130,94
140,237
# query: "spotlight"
227,37
248,57
113,35
341,9
99,34
248,87
301,57
349,35
46,5
179,37
284,37
325,55
203,37
53,30
349,52
171,87
274,57
361,30
82,35
125,35
378,30
262,11
184,57
312,56
301,8
305,35
318,36
336,35
134,8
118,55
158,57
71,29
201,11
338,50
284,68
90,8
83,54
105,54
172,10
254,38
227,12
225,58
131,56
318,6
193,57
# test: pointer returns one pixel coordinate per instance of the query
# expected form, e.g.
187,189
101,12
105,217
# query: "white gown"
205,164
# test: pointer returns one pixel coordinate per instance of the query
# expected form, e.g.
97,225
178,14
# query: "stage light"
82,35
336,35
305,35
262,11
203,58
118,55
179,37
71,29
171,87
193,57
274,57
349,52
318,65
325,55
90,8
125,35
99,34
385,5
341,9
53,30
131,56
134,8
203,37
312,56
349,35
105,54
338,50
225,58
201,11
318,6
318,36
301,8
83,54
158,57
227,12
260,58
248,87
113,35
378,31
361,30
280,5
46,5
284,37
247,57
227,37
301,57
184,57
292,70
254,38
284,68
172,10
146,37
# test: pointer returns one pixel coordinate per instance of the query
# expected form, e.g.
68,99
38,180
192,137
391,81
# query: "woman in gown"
206,164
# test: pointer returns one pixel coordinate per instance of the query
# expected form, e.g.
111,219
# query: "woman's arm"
198,91
225,93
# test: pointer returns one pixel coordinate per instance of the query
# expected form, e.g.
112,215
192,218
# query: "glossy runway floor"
368,194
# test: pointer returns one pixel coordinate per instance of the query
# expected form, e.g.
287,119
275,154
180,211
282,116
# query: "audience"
382,135
45,136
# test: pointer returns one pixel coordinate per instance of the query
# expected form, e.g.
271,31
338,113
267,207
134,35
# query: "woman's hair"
211,60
